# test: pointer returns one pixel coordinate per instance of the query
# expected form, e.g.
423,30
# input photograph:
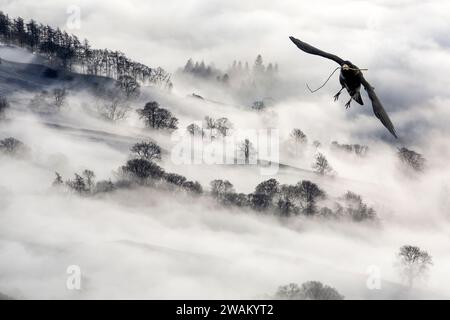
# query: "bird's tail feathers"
357,98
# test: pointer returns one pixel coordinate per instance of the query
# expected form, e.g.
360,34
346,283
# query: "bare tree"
59,97
413,263
146,150
4,105
247,150
321,165
115,109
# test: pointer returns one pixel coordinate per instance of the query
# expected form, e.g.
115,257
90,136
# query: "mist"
151,243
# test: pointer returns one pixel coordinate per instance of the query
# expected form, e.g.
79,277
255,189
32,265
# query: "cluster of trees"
411,159
4,105
67,51
238,73
211,127
156,117
139,170
350,206
84,184
359,150
310,290
13,147
291,200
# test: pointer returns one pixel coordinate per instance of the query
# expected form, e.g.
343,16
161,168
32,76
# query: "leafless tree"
59,97
115,109
247,150
413,263
4,105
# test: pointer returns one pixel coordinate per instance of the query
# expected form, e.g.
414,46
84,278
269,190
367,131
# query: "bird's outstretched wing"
378,109
312,50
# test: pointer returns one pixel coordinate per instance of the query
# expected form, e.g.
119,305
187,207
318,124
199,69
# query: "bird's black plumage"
351,78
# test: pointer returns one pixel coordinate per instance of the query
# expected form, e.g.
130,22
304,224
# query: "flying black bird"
351,79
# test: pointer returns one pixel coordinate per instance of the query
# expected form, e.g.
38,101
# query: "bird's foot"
336,96
347,105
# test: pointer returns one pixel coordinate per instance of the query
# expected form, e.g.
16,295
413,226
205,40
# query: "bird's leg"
336,96
347,105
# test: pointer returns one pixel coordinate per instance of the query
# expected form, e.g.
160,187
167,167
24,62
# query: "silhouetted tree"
357,149
59,97
13,147
195,130
89,178
223,125
143,169
236,199
146,150
104,186
247,150
309,193
356,209
193,187
269,187
175,179
156,117
4,105
321,165
58,180
220,187
310,290
298,136
412,159
258,105
413,263
78,184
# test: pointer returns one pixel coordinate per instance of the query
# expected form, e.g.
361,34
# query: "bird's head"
347,65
